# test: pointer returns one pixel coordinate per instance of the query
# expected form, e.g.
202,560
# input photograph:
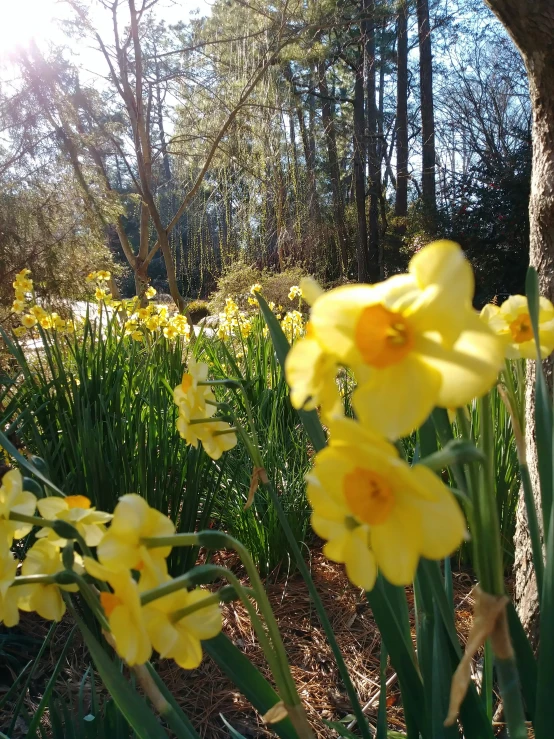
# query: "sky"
22,21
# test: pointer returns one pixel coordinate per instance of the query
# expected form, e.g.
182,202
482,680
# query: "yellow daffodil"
251,301
9,613
20,294
152,323
192,399
23,284
144,313
28,320
100,293
20,331
293,325
137,335
311,289
413,341
216,437
124,613
512,322
77,511
295,292
133,519
91,276
171,333
45,322
311,374
38,312
257,288
180,639
103,275
191,433
44,558
149,292
24,272
13,499
18,306
377,512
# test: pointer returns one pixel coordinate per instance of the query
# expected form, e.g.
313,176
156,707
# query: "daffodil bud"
40,464
64,529
32,486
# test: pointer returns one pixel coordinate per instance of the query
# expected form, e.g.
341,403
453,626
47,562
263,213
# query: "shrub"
236,281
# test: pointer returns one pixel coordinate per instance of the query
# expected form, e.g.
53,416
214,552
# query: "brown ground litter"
206,693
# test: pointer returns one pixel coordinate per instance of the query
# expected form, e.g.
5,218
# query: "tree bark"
427,110
401,202
531,26
333,162
359,169
368,29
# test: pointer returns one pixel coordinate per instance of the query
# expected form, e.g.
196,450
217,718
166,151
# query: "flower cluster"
412,342
153,319
124,569
295,292
197,405
30,312
512,322
234,322
293,325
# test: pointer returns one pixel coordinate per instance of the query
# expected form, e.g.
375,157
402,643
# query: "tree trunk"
427,111
368,26
334,170
531,25
308,146
401,202
359,170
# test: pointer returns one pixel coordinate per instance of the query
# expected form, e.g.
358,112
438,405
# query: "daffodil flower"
77,511
124,613
9,613
28,320
512,322
311,374
133,520
375,511
216,437
180,639
14,499
191,397
44,558
413,341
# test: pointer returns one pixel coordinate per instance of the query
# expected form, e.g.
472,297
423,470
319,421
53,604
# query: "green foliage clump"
237,280
198,309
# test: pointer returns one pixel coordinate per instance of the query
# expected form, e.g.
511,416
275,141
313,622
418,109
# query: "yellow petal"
204,623
161,631
442,521
443,263
397,399
187,651
51,507
470,368
334,318
47,601
361,567
397,545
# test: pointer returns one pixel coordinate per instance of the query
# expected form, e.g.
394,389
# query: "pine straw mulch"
206,693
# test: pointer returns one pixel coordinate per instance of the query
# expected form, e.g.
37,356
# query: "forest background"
339,136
